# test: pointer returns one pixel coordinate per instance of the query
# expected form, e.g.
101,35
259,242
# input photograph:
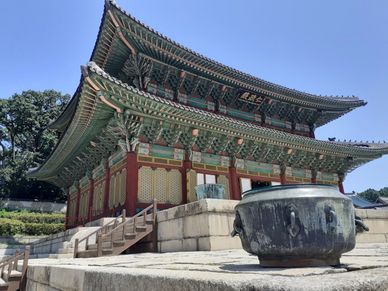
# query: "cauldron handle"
237,226
293,228
331,218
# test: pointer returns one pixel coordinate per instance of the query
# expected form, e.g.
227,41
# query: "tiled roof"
215,67
276,134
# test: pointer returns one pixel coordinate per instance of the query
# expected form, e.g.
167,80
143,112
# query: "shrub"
28,217
10,226
43,228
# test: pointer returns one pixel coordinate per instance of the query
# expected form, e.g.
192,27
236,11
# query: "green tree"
370,194
383,192
25,141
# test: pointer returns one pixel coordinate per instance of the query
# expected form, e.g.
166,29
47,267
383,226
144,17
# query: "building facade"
153,119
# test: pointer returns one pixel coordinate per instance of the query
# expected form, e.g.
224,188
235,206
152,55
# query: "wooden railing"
10,264
102,230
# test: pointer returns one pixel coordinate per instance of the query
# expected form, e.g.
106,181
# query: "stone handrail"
125,221
103,229
12,263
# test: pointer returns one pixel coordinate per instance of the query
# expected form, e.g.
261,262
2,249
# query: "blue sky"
323,47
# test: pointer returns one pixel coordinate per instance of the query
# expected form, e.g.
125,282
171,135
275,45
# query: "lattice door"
174,186
145,185
191,183
160,183
98,198
123,186
112,190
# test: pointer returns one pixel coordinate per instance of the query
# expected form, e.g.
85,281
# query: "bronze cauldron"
296,225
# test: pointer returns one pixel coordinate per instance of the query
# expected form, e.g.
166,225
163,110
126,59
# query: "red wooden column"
341,178
341,187
186,166
233,184
283,178
106,190
314,176
91,197
132,183
77,220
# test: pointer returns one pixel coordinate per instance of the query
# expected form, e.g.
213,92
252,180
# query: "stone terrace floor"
364,268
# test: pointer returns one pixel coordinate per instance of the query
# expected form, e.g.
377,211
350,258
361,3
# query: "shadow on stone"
248,268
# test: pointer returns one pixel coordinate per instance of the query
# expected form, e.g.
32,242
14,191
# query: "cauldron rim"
285,187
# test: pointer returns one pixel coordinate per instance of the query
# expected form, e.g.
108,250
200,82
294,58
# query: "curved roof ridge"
380,145
346,99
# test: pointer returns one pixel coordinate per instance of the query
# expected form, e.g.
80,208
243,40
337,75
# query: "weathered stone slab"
365,268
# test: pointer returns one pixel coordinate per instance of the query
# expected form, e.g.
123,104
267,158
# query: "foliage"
383,192
28,217
25,142
43,228
372,195
13,226
10,226
23,222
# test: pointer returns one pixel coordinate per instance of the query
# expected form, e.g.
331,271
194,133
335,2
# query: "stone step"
3,285
130,235
15,275
105,245
93,253
65,251
61,256
129,226
67,245
119,243
141,228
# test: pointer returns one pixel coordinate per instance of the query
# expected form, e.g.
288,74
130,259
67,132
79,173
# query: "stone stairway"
12,278
118,235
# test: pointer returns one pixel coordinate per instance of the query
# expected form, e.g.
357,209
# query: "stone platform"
364,268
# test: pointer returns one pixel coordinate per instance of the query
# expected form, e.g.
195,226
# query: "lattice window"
160,185
116,189
111,190
175,187
223,180
72,208
191,183
84,204
98,198
145,185
163,185
123,186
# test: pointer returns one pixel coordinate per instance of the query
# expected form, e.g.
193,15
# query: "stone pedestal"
203,225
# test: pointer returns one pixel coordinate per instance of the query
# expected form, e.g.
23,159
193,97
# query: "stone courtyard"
364,268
